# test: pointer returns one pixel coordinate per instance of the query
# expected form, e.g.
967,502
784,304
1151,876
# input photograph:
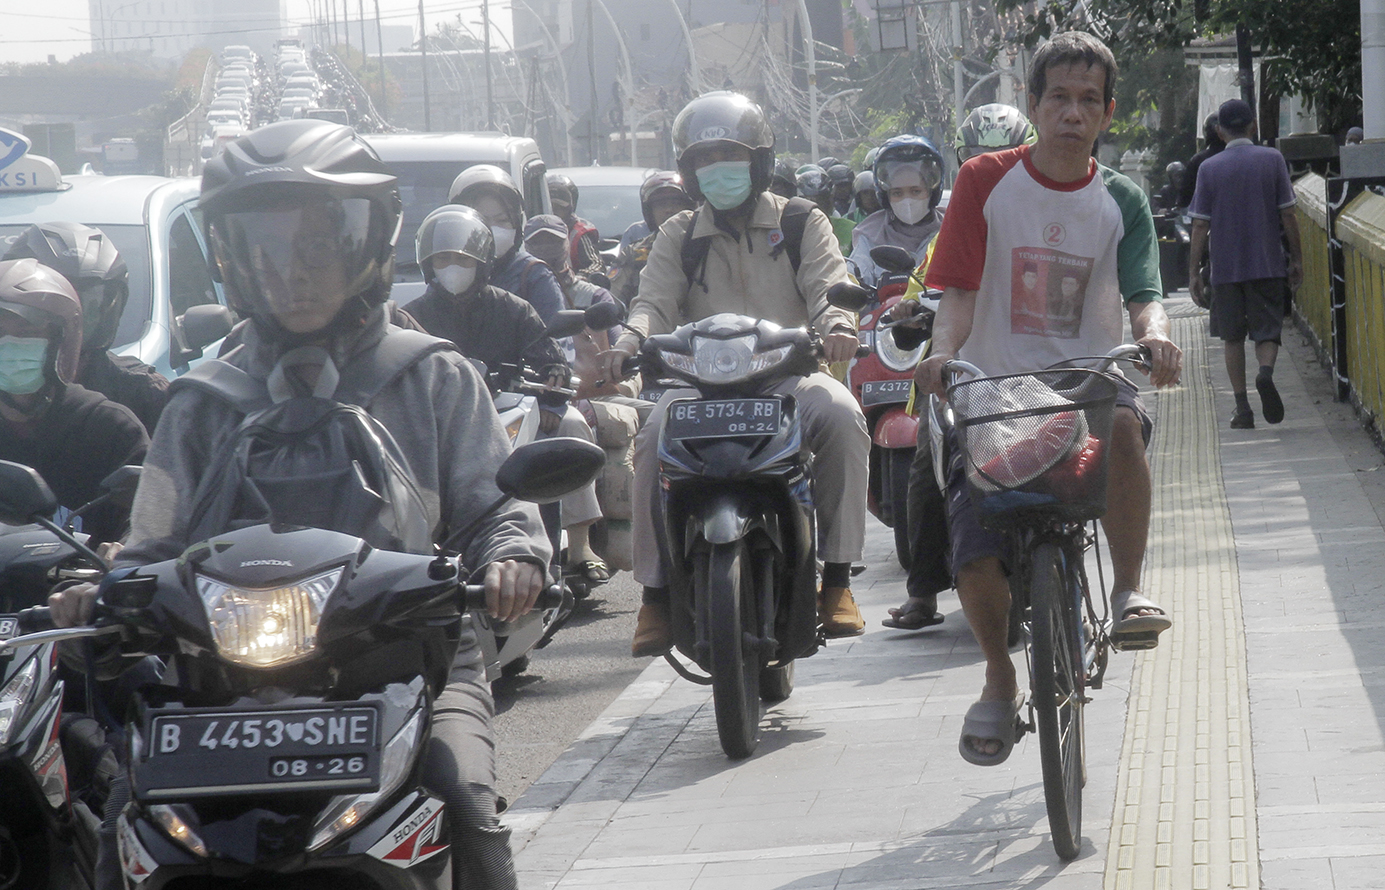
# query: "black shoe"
1270,403
1243,420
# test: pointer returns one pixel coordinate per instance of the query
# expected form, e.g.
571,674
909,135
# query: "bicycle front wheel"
1059,693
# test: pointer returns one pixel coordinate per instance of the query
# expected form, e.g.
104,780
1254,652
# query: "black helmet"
488,179
782,181
910,151
728,118
561,182
91,264
813,182
273,183
993,127
666,182
828,162
840,173
460,229
41,296
1175,168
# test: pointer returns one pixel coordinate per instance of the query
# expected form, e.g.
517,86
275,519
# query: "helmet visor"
299,263
457,233
924,171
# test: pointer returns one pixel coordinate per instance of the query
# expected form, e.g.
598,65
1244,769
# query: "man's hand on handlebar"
1165,360
610,361
73,606
928,376
512,588
840,346
905,309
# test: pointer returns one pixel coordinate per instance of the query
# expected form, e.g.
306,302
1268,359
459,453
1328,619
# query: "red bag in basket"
1024,460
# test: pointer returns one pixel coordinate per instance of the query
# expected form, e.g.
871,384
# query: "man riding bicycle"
1039,247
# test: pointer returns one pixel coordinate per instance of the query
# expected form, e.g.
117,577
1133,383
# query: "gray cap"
545,222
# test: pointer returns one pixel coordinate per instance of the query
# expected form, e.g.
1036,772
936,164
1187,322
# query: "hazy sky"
63,29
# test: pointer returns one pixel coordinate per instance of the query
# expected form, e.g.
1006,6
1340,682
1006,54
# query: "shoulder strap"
793,219
529,265
364,377
223,380
693,253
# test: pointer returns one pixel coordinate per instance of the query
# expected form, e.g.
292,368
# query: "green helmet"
993,127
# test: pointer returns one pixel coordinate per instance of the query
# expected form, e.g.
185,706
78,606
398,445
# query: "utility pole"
958,87
423,54
810,56
380,38
486,43
591,73
365,54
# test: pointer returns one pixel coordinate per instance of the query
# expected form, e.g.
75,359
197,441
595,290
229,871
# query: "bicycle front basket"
1036,443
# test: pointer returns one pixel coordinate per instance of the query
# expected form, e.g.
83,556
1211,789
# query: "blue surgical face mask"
725,184
22,360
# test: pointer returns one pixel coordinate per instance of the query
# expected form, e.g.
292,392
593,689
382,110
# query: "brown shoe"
652,633
838,614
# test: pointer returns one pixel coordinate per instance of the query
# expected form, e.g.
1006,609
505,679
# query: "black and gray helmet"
91,264
665,183
460,229
41,296
728,118
840,173
561,183
783,182
265,184
813,182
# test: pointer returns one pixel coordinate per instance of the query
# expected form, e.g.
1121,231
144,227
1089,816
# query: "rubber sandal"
594,571
913,615
990,721
1136,631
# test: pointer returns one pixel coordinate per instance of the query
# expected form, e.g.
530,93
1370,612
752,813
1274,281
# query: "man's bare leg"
985,594
1127,504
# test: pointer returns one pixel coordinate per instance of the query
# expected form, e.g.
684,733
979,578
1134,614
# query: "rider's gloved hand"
512,588
548,421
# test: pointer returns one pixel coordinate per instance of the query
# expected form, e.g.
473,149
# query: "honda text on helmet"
40,330
91,264
664,189
711,135
473,186
993,127
908,178
302,217
455,247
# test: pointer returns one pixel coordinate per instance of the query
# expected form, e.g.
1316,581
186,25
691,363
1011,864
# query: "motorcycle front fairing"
382,647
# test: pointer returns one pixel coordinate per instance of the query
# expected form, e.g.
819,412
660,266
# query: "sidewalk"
1245,751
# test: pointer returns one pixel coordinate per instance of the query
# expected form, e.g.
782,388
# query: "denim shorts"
970,541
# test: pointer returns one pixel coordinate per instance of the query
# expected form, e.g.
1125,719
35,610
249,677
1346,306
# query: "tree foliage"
1312,47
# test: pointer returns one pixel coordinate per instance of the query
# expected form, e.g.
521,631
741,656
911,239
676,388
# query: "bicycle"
1034,450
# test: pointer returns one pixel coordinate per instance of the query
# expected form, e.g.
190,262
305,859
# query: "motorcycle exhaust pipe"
11,861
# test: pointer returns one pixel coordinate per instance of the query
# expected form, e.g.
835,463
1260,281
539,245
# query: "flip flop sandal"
990,721
593,571
1135,631
913,615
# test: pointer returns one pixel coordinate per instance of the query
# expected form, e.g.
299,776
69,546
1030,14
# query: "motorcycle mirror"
566,323
120,485
545,470
600,316
24,495
845,295
892,258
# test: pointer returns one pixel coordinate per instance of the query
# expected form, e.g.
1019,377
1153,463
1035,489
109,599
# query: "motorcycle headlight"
892,356
265,627
13,696
346,811
724,361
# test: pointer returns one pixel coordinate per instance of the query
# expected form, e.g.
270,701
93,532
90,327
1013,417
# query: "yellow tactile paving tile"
1185,814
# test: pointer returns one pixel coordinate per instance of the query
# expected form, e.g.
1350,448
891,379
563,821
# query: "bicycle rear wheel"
1059,693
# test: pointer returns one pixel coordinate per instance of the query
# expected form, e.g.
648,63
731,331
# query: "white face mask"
455,279
504,239
909,210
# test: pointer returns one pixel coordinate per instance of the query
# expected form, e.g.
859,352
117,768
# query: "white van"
426,164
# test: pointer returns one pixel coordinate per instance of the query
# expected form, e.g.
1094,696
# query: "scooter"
738,531
47,826
287,752
881,379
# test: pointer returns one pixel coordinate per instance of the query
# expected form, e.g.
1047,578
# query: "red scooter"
880,379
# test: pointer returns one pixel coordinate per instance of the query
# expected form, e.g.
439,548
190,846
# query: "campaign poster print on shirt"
1048,289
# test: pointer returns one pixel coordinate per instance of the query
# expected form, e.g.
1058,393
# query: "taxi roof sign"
23,172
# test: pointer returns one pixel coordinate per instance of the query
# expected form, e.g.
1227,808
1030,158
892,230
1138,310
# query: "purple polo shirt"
1240,192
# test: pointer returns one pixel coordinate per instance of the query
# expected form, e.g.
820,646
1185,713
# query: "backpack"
314,461
792,221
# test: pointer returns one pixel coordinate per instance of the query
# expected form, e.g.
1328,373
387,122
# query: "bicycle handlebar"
1131,352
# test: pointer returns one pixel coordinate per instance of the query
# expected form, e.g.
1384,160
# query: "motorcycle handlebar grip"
630,366
862,351
35,619
474,596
